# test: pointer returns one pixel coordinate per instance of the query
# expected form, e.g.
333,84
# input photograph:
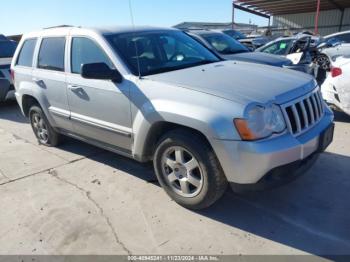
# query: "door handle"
39,82
74,87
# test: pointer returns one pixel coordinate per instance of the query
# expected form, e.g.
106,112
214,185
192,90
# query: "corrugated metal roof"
281,7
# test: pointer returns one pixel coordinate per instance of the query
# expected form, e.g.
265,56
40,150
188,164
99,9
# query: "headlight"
261,122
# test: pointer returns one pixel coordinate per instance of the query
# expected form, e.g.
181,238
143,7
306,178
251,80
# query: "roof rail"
59,26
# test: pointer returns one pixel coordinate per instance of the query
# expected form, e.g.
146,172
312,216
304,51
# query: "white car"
336,88
337,44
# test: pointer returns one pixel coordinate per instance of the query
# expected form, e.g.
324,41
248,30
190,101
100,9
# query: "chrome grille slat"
311,110
306,118
315,106
297,118
319,102
303,113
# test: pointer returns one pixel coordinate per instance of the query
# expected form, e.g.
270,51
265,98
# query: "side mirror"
100,71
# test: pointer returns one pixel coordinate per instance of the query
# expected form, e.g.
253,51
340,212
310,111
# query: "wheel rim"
40,128
182,171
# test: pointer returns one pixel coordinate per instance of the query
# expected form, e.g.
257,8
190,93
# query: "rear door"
100,109
50,78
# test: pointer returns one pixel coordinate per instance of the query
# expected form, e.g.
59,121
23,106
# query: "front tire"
188,170
42,129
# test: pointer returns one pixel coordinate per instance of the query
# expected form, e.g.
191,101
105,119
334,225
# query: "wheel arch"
156,132
27,102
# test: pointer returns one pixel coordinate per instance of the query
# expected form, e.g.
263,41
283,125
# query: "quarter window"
25,57
86,51
51,55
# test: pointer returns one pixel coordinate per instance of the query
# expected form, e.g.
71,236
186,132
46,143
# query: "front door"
100,109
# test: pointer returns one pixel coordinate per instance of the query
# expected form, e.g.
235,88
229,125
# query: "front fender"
212,123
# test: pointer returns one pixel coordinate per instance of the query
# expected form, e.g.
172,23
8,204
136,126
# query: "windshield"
7,49
224,44
235,34
159,52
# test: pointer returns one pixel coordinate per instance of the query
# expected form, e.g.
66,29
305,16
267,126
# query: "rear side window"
86,51
25,57
51,54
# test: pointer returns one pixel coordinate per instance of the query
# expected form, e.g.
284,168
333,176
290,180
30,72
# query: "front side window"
51,54
278,48
26,54
225,44
148,53
86,51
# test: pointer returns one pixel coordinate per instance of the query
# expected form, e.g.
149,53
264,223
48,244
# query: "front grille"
303,113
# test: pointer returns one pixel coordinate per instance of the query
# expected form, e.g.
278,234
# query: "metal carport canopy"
281,7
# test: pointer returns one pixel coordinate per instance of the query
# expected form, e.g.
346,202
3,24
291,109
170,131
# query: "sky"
21,16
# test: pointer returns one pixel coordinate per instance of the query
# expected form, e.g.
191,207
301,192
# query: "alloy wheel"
40,128
182,171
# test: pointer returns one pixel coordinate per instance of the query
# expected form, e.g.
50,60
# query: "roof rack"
59,26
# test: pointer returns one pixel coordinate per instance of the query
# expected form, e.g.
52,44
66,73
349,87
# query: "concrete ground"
78,199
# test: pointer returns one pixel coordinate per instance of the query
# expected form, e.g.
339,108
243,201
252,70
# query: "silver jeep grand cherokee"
156,94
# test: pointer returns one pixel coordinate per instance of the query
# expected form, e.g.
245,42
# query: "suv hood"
241,82
260,58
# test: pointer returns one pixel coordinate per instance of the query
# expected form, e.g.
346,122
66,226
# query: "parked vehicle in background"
251,42
336,44
237,35
302,50
254,43
156,94
288,45
3,38
336,88
230,49
7,50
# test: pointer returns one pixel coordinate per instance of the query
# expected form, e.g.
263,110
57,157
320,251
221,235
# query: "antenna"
136,48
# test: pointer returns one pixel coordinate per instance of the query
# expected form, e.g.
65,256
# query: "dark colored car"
7,50
254,42
237,35
230,49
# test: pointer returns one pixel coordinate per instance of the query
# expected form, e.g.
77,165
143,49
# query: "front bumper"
278,176
246,163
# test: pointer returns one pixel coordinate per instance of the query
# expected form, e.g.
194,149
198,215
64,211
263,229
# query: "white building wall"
329,21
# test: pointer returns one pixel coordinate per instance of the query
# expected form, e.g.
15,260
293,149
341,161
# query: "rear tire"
42,129
188,170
